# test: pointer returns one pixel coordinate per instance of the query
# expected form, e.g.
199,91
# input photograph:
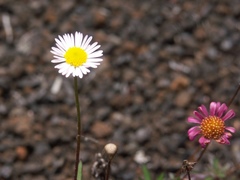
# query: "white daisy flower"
75,55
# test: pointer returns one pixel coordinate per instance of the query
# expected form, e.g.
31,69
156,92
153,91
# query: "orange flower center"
212,127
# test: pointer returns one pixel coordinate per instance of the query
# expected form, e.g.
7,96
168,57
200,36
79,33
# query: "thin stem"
198,159
235,94
202,152
78,127
188,174
108,170
110,150
192,157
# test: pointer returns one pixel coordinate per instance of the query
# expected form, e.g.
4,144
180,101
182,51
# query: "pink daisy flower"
211,124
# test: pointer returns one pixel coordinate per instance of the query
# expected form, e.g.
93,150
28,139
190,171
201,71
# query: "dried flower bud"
110,149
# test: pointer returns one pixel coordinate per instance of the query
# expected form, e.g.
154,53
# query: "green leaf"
146,173
217,169
216,164
79,175
161,176
209,178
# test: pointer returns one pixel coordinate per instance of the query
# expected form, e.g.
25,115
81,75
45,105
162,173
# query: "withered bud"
110,149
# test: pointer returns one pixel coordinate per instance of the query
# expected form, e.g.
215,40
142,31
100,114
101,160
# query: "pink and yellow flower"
211,124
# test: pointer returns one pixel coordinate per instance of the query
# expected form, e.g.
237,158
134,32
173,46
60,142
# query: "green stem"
78,127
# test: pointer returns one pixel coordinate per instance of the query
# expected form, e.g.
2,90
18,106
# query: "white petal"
80,74
57,60
92,65
95,54
91,46
100,52
62,65
54,52
68,37
78,39
84,70
61,49
78,71
89,64
84,46
95,60
67,40
58,57
70,71
89,50
72,40
84,40
57,51
63,70
73,72
61,44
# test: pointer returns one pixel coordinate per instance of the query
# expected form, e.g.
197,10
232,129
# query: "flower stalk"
74,55
235,94
78,127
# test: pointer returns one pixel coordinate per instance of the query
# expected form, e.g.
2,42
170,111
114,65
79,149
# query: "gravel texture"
162,59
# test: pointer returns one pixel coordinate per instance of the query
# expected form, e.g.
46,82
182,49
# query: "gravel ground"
162,59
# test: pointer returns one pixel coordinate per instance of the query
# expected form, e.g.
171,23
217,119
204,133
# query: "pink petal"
213,108
231,129
203,109
193,120
193,132
227,135
223,140
198,115
203,141
221,110
218,105
230,114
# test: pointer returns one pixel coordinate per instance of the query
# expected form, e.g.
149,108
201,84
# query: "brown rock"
121,100
100,16
101,129
20,123
50,15
21,152
183,99
179,82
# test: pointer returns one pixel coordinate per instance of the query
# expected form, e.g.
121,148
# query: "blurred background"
162,59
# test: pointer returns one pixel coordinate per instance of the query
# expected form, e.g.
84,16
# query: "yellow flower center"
212,127
75,56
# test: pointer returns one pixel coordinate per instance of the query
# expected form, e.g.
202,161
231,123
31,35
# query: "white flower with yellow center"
75,55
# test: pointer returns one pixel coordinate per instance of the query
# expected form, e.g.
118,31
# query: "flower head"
74,54
211,124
